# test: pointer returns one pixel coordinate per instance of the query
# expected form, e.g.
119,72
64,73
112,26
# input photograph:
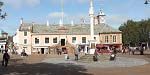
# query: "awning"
101,45
40,47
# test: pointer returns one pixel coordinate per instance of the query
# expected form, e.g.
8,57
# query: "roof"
68,29
25,27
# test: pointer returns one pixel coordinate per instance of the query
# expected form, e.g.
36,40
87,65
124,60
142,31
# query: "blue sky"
39,11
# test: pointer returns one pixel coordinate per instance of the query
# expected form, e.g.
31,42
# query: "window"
92,45
36,41
94,38
106,39
55,40
25,33
46,40
73,39
25,41
83,39
114,38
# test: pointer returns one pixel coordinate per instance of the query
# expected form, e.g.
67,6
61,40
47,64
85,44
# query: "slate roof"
25,27
68,29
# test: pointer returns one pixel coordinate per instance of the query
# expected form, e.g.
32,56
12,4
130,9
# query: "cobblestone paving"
56,65
119,62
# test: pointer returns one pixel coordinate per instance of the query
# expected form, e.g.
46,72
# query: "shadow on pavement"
12,61
44,69
147,55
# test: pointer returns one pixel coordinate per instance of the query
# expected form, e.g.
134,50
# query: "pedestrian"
60,51
124,50
23,53
95,57
142,51
57,51
76,53
66,54
6,58
114,51
112,57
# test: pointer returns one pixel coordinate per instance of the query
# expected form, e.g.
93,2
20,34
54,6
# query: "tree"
135,32
2,15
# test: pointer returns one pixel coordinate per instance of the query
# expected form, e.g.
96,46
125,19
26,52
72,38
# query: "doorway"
42,50
62,42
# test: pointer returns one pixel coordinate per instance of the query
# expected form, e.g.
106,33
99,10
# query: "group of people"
133,50
23,53
65,50
59,51
96,54
6,57
112,54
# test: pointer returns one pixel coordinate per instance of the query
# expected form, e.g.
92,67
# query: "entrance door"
42,50
62,42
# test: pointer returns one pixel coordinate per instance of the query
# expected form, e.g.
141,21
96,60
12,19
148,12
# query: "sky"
39,11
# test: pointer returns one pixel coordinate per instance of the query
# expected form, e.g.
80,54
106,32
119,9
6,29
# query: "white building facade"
36,38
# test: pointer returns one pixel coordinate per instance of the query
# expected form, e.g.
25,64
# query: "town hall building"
40,38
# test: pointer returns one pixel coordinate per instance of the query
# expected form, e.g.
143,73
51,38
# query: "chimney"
72,23
60,23
47,23
33,23
21,21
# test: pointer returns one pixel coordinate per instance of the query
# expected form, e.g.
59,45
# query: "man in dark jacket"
6,58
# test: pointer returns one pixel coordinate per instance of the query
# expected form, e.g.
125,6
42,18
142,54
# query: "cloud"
14,3
68,1
116,20
19,3
33,2
54,17
82,1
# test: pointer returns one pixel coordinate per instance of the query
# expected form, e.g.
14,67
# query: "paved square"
56,65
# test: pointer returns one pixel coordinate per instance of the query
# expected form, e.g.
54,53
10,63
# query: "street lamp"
147,1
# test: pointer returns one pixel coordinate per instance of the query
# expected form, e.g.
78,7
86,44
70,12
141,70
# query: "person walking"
76,53
95,57
66,54
6,58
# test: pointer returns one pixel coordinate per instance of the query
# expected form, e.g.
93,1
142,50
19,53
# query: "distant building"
35,37
38,38
100,18
3,40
